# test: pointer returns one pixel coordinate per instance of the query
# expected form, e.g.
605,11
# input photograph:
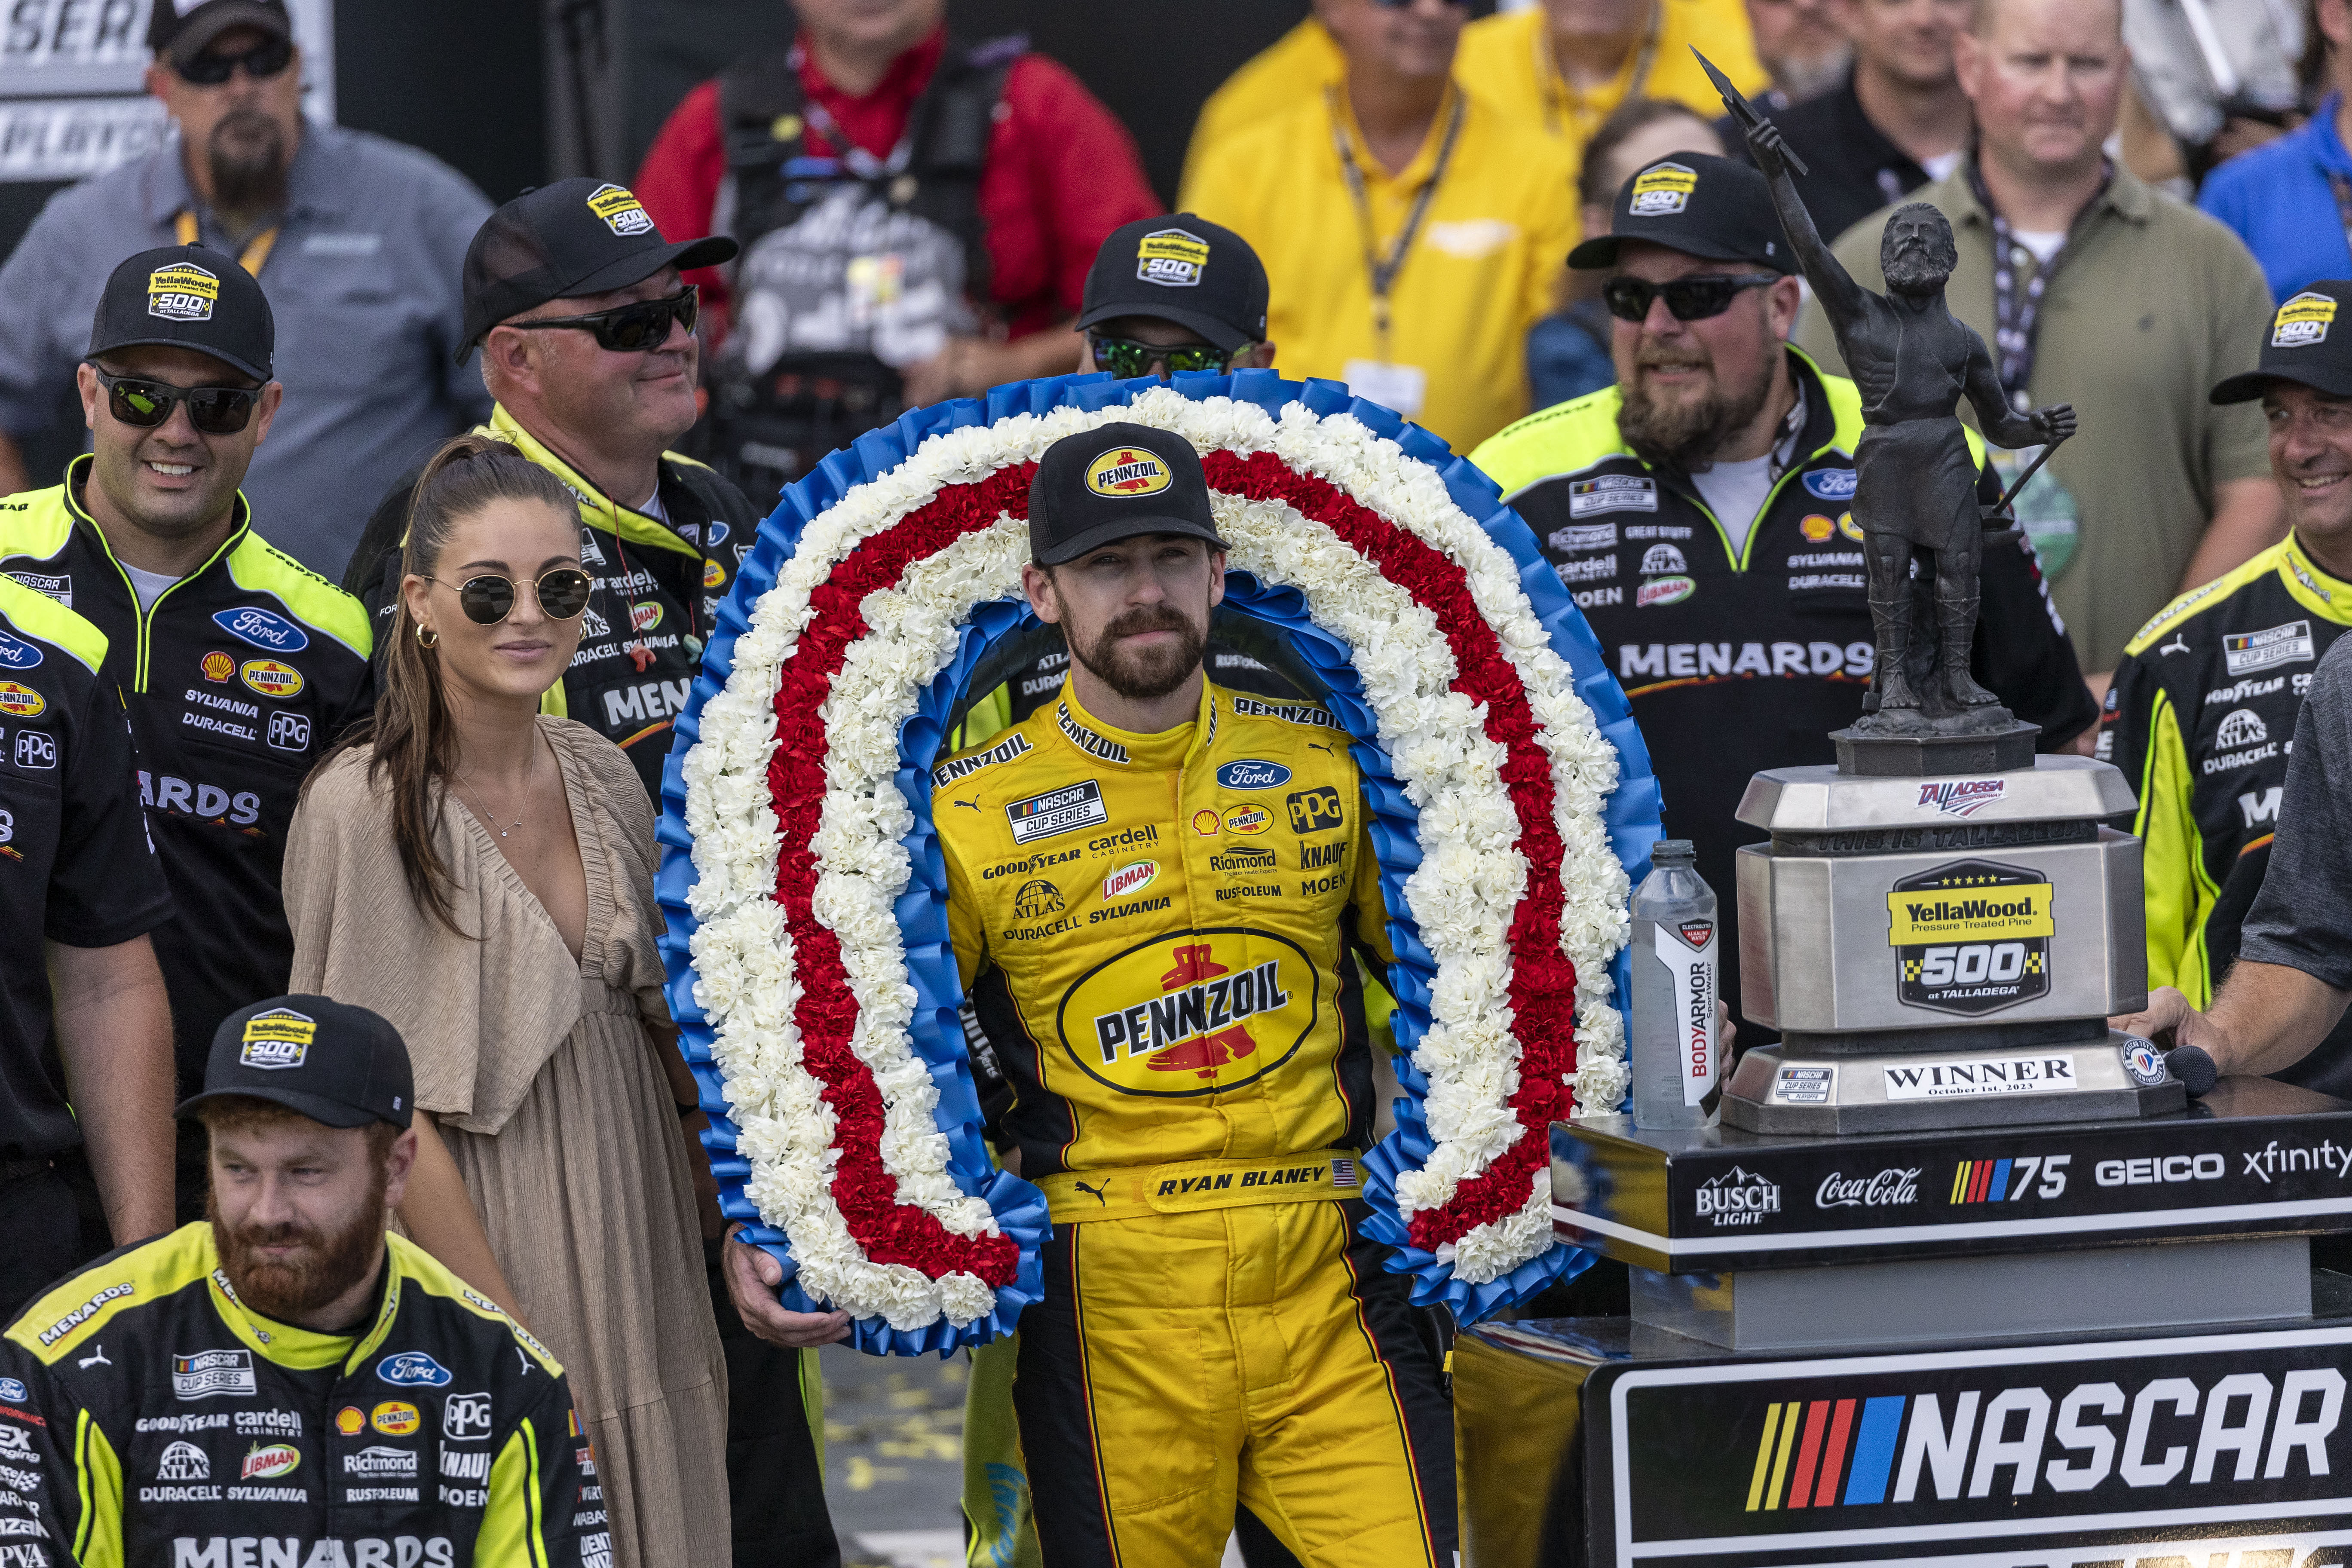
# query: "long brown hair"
410,736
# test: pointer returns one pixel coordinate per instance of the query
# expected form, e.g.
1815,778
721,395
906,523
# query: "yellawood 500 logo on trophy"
1971,937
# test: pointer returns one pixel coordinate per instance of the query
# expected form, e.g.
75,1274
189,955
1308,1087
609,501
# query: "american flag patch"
1343,1173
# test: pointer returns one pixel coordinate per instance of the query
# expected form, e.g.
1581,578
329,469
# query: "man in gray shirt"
357,240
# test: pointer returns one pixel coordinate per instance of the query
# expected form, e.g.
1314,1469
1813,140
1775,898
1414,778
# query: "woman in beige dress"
482,875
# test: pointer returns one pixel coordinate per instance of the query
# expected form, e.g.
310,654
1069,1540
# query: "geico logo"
1978,960
2252,1424
208,801
645,702
1706,659
253,1551
2172,1168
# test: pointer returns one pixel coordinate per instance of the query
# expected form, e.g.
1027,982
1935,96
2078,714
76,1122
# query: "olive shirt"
2148,305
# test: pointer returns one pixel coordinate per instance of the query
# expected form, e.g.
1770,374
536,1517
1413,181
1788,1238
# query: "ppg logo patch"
2303,321
1663,189
36,751
182,293
620,209
290,732
466,1417
1172,258
279,1038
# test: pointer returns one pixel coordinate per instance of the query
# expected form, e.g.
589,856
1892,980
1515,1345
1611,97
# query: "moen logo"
1191,1013
1971,937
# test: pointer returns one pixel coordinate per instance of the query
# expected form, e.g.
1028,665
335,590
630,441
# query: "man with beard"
1699,513
283,1382
358,241
1146,846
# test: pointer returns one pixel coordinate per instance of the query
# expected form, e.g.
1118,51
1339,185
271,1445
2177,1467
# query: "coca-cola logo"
1881,1191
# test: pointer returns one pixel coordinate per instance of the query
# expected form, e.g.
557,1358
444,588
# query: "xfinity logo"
1881,1191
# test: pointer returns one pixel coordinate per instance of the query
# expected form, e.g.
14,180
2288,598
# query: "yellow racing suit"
1154,930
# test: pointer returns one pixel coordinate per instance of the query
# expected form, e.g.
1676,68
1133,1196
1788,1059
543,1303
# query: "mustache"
1145,619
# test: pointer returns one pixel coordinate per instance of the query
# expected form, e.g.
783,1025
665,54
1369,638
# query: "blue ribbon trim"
1630,815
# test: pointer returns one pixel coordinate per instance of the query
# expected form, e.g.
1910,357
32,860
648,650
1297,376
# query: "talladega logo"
1962,797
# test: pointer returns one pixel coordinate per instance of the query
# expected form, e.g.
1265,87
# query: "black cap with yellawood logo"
1113,482
321,1058
2309,340
186,295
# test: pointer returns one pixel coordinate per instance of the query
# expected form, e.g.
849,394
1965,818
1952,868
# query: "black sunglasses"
632,329
215,410
1690,299
490,598
1128,359
264,60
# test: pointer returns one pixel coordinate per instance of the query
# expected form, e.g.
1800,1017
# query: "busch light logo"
263,628
1832,484
1738,1198
1962,797
16,653
412,1368
1252,773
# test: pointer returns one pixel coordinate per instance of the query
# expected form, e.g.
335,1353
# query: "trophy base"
1931,755
2116,1078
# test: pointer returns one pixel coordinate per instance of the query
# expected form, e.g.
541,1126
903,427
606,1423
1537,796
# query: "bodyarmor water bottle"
1672,1044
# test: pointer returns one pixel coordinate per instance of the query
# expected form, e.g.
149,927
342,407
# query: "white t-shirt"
150,585
1735,492
652,507
2044,244
1940,166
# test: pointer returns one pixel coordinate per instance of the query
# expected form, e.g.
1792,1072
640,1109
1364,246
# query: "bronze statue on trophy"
1916,493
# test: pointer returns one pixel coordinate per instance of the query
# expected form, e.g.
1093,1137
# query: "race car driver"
1697,511
237,663
283,1382
2202,712
1151,884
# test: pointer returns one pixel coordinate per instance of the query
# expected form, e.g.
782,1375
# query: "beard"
1143,675
1685,434
1917,271
247,156
329,1263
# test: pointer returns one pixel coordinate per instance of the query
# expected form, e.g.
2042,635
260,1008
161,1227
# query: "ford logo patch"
1252,775
263,628
1832,484
12,1391
16,653
410,1368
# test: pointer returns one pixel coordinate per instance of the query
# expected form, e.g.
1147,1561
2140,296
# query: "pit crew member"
1698,511
283,1382
238,663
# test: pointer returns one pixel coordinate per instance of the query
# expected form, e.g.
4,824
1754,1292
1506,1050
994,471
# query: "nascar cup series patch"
182,293
1172,258
2301,322
1125,472
279,1038
1661,189
620,209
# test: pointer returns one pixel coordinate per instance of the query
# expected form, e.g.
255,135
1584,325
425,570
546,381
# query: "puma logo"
1101,1196
97,1357
1320,746
2179,644
972,805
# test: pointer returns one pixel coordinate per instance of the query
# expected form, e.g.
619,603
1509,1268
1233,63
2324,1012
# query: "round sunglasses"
1689,299
215,410
490,598
631,329
1128,359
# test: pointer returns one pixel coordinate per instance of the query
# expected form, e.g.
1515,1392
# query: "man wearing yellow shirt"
1299,63
1562,65
1411,233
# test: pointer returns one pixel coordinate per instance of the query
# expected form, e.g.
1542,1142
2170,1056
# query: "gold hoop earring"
426,637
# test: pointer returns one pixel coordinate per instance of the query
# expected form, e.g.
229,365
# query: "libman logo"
277,1459
2303,321
1125,472
1662,188
1971,938
1129,879
1191,1013
620,209
182,293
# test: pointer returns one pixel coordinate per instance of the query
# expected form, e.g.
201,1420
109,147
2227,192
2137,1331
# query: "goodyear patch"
183,292
620,209
2303,321
1172,258
21,701
1127,472
279,1037
1661,189
272,679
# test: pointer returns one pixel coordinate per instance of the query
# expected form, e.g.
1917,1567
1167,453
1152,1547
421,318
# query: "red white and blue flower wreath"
810,968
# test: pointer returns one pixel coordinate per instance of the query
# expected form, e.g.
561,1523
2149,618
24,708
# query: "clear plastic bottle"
1673,1046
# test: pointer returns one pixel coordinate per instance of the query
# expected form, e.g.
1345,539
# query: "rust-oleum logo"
1191,1013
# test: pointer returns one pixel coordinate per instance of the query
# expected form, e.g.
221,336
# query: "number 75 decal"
2006,1181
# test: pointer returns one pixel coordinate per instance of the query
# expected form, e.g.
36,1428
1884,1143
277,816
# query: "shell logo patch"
1247,819
1125,472
1172,258
1207,824
21,701
620,209
272,679
218,667
2301,322
279,1038
1817,529
351,1421
1661,189
395,1418
1847,526
182,293
1129,879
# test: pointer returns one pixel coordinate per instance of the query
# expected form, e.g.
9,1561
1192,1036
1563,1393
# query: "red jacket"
1062,174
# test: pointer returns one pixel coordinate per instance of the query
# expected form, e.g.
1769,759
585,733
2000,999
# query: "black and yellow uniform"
150,1419
659,581
1153,928
1741,659
238,678
2200,718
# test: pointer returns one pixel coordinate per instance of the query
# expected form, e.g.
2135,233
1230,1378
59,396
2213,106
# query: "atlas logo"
2243,727
1738,1197
1962,797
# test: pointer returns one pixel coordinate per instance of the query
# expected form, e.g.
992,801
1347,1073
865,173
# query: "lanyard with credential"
1562,101
2016,311
1384,270
256,250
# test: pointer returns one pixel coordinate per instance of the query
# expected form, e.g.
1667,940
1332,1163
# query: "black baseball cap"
178,30
576,236
324,1059
1700,205
1182,269
1113,482
190,297
2310,343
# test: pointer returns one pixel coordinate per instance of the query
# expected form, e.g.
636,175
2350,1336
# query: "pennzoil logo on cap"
620,209
1662,188
2301,322
279,1038
182,293
1172,258
1127,471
